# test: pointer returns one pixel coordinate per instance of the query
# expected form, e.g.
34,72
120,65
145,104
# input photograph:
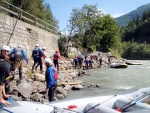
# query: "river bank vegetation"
90,30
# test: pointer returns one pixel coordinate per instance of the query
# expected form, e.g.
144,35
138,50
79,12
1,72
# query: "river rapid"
115,81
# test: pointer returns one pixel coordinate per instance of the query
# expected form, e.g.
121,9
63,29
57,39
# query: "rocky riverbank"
33,85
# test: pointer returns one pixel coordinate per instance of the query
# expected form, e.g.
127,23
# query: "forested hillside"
136,38
123,21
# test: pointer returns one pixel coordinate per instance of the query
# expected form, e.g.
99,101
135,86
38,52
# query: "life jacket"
55,56
55,74
8,77
86,61
90,61
76,60
91,56
35,52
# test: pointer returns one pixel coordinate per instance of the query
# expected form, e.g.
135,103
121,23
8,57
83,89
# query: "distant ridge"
123,20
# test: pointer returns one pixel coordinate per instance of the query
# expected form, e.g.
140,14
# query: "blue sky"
62,9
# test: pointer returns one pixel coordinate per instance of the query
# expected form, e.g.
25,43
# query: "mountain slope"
123,21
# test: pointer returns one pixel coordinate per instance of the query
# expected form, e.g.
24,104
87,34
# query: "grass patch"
29,74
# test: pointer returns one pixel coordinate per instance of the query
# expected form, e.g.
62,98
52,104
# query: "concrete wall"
27,35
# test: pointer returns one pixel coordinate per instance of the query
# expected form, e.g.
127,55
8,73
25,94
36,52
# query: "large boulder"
39,77
60,96
37,97
38,86
25,89
61,91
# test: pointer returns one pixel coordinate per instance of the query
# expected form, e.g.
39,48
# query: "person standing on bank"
56,57
17,55
43,50
37,54
75,62
5,70
51,76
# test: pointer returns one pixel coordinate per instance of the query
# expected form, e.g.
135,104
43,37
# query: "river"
115,81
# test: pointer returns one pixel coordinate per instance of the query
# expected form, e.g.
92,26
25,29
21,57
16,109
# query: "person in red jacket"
51,76
43,50
56,57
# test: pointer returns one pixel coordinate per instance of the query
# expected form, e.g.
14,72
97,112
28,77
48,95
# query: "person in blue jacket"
91,63
16,56
51,76
36,55
75,62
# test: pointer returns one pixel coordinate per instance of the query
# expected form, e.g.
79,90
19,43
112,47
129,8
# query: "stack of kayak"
136,102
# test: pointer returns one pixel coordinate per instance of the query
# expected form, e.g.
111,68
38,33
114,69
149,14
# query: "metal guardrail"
36,21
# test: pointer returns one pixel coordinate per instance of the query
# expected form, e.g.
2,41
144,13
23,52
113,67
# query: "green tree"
80,22
91,28
105,33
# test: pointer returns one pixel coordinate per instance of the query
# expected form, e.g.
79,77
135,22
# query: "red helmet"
56,51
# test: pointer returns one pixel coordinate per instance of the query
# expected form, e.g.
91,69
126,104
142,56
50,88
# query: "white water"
115,81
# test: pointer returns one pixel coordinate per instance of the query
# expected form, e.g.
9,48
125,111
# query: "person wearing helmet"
36,45
5,70
43,50
51,76
37,57
56,57
16,56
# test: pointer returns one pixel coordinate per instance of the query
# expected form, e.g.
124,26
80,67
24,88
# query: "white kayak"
118,65
133,63
136,102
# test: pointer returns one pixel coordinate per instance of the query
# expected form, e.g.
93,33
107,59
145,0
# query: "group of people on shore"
10,60
86,61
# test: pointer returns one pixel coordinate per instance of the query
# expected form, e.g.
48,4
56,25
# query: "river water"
115,81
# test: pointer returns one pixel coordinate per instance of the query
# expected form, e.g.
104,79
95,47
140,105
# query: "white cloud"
113,15
116,15
103,11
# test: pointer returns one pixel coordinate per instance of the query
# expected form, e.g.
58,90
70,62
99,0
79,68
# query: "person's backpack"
35,52
18,53
55,57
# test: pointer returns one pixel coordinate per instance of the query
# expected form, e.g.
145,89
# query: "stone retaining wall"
27,35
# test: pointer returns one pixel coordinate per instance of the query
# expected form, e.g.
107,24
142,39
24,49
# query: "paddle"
98,104
59,108
120,109
134,103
